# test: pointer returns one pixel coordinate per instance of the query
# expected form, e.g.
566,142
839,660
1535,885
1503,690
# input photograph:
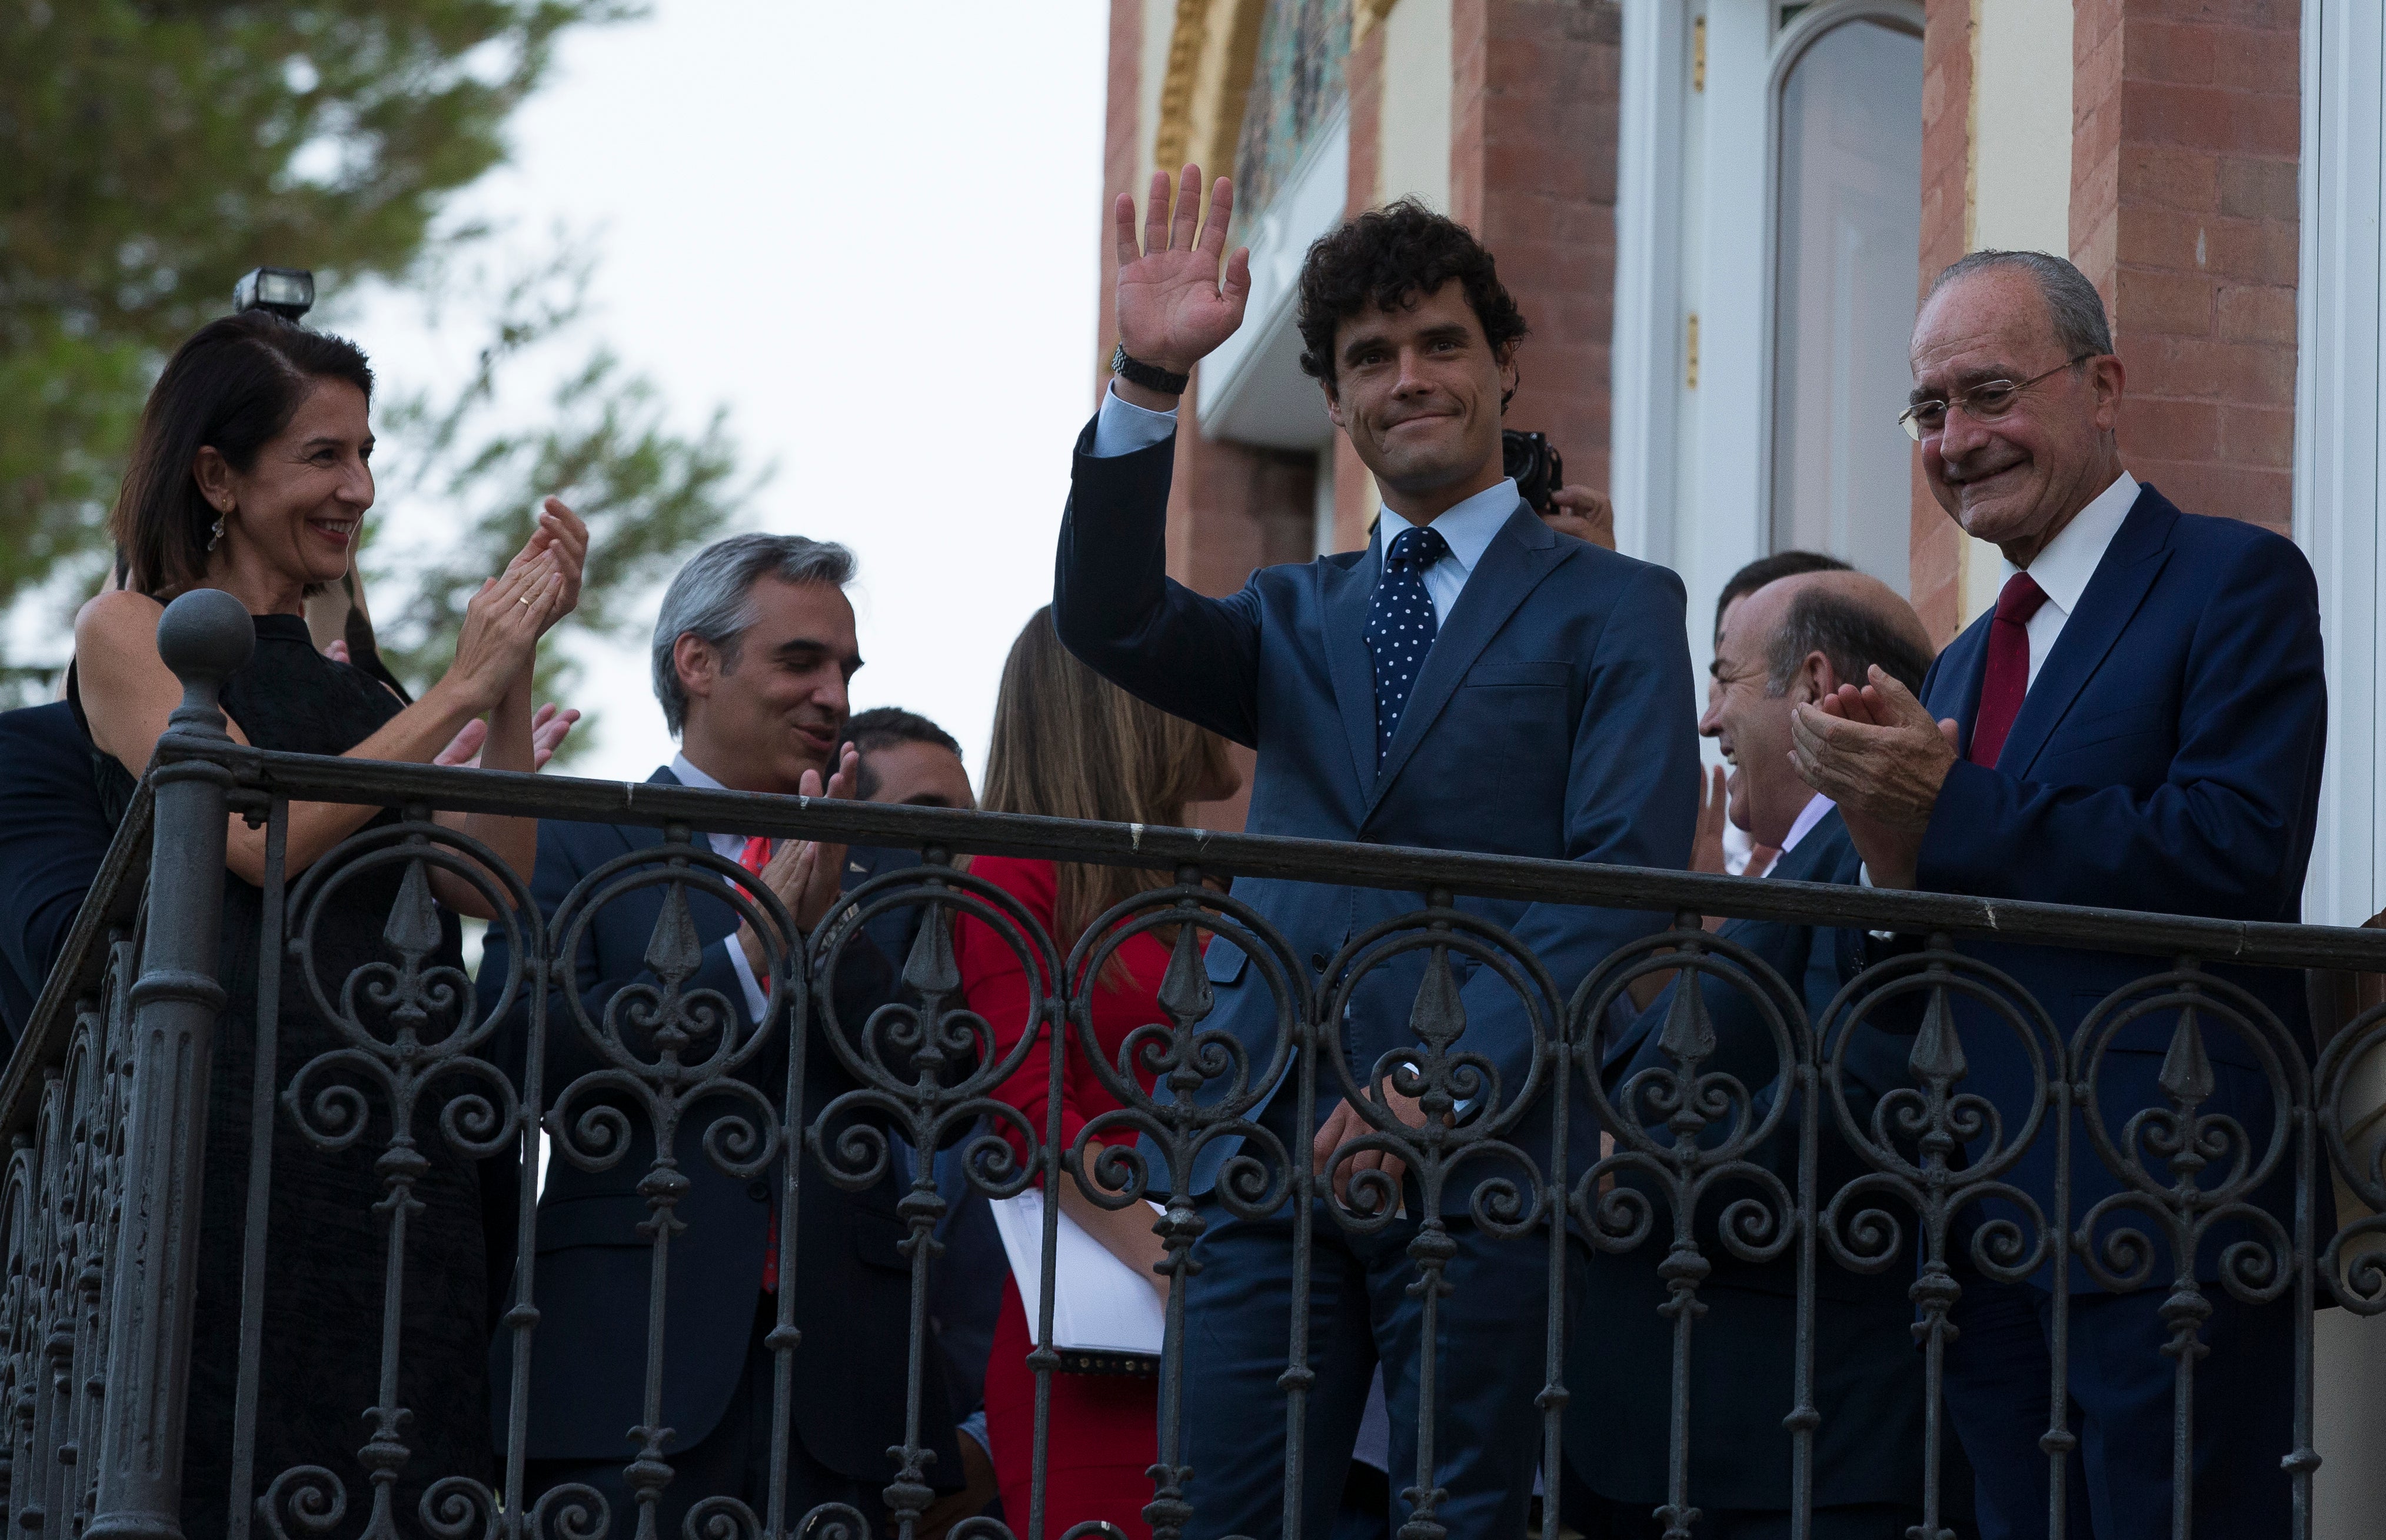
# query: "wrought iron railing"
108,1103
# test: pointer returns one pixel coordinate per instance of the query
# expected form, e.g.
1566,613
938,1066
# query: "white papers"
1099,1303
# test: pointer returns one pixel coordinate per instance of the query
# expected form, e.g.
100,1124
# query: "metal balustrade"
106,1102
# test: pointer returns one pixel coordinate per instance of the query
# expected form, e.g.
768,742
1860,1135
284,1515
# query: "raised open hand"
1172,309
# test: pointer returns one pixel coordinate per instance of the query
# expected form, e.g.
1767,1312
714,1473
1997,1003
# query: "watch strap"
1149,375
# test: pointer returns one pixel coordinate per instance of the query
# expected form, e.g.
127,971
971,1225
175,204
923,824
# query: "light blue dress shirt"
1123,428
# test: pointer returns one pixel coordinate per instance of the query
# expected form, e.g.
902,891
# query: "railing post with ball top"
205,636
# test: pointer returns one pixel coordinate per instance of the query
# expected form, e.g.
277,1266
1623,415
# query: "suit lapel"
1804,863
1514,564
638,837
1961,668
713,919
1801,864
2139,550
1348,592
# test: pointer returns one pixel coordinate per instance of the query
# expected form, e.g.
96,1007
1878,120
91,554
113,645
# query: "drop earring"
215,536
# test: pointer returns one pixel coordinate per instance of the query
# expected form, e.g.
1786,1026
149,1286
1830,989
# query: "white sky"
872,231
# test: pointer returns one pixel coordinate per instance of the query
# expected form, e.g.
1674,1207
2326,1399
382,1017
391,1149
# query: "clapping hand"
1875,751
1706,842
562,531
547,731
1173,311
504,622
806,874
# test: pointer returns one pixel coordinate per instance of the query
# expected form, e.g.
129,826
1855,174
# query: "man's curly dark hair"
1389,257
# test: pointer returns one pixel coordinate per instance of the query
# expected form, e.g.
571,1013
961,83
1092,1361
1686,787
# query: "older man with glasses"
2138,725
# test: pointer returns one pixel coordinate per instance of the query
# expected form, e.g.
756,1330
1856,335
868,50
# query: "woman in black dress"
251,474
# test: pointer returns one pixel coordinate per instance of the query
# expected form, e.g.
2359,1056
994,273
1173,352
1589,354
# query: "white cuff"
1122,427
1864,877
758,1004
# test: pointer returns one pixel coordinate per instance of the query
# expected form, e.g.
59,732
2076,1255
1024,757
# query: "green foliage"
152,150
602,444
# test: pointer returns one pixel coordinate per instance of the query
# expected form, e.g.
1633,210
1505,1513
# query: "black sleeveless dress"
327,1249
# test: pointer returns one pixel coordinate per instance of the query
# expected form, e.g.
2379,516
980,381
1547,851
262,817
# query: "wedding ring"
524,599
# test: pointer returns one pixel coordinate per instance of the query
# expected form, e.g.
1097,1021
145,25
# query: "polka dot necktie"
1400,627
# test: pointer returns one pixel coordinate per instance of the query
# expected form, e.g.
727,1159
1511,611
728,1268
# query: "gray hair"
1851,634
2072,302
712,599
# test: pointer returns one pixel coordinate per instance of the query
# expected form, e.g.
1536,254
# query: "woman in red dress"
1070,744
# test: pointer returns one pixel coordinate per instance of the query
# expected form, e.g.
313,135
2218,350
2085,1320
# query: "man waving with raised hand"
1471,680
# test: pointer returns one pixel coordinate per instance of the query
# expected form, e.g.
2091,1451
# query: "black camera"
1534,464
287,292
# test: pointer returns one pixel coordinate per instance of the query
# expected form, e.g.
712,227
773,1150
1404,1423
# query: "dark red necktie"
754,857
2008,677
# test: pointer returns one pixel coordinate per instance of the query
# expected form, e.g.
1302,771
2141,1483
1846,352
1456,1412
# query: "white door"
1769,226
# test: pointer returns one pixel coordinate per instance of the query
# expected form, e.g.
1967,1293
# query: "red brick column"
1120,156
2186,121
1937,579
1354,489
1532,172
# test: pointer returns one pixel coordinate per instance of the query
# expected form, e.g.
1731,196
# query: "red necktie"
754,857
2008,677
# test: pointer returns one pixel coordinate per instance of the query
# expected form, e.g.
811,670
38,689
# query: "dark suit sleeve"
1632,795
54,837
1114,605
566,853
2225,833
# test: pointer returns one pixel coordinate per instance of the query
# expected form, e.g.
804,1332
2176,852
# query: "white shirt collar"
1817,807
685,768
2062,569
723,843
1468,526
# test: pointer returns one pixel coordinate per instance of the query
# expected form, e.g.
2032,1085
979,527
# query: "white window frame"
2339,420
1693,471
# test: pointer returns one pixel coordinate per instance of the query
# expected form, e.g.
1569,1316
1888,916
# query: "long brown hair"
1070,744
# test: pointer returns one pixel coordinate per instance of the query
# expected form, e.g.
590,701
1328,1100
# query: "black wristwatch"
1149,375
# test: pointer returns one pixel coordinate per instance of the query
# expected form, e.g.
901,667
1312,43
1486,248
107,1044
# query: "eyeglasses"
1984,402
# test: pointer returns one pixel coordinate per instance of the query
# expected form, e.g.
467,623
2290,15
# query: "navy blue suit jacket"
852,1286
54,834
1867,1375
2167,759
1553,717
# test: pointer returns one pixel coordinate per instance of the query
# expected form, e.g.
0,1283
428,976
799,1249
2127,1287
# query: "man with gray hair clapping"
2138,725
752,652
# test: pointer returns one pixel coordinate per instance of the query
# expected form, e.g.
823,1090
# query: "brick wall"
1121,157
1354,488
2187,120
1532,170
2186,116
1937,576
